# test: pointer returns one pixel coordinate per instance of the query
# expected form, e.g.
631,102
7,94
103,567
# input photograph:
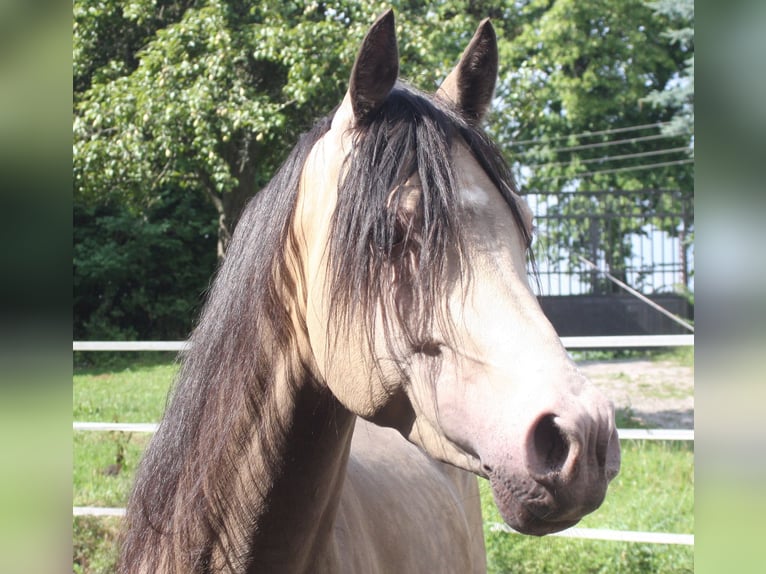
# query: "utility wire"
590,134
611,157
601,144
618,169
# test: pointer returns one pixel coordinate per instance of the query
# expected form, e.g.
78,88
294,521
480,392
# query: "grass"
118,392
654,490
111,389
683,356
122,391
667,390
94,540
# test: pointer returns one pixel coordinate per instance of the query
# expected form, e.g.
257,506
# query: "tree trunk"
229,205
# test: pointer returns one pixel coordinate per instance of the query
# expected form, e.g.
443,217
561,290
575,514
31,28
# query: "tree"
201,105
182,103
141,275
208,96
679,98
178,99
574,116
679,94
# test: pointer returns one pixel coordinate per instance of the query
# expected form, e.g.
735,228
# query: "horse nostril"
602,443
550,447
612,455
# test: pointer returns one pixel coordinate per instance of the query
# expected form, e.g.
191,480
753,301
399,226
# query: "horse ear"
470,85
376,68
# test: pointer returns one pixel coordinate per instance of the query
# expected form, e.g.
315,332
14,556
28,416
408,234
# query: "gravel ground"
658,394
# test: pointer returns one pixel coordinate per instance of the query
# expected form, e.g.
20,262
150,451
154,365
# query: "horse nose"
558,448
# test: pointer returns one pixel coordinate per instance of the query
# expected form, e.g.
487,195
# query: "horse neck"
294,466
299,499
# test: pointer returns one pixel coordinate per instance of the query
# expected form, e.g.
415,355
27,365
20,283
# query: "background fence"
614,342
643,237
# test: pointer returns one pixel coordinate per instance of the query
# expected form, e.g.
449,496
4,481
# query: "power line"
590,134
619,169
612,157
602,144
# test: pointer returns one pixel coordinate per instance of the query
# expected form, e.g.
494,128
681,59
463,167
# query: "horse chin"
531,508
538,527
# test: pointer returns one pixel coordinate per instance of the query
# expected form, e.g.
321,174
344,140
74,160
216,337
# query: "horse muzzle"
559,475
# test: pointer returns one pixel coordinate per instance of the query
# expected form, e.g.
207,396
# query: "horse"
371,345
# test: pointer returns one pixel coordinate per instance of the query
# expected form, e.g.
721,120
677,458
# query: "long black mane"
223,396
224,386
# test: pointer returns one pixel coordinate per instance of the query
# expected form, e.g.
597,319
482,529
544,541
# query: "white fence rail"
130,345
612,342
624,434
613,535
628,341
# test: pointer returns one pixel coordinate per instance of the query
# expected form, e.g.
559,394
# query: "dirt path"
658,394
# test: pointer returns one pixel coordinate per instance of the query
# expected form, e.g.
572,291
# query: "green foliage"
179,101
572,68
208,97
141,275
183,110
578,67
680,95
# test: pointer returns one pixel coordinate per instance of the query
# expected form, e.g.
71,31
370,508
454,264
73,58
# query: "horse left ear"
375,69
470,85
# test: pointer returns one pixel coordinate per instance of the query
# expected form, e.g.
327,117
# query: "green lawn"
654,490
119,390
125,392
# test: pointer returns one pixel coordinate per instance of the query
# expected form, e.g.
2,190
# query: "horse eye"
399,238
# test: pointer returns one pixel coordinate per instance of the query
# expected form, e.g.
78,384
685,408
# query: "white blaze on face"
474,198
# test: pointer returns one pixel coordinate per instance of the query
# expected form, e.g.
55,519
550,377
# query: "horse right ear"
376,68
469,87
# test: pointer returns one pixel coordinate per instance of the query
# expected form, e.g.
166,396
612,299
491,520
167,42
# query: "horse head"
409,255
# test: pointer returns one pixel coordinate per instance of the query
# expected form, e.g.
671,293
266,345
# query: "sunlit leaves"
193,95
